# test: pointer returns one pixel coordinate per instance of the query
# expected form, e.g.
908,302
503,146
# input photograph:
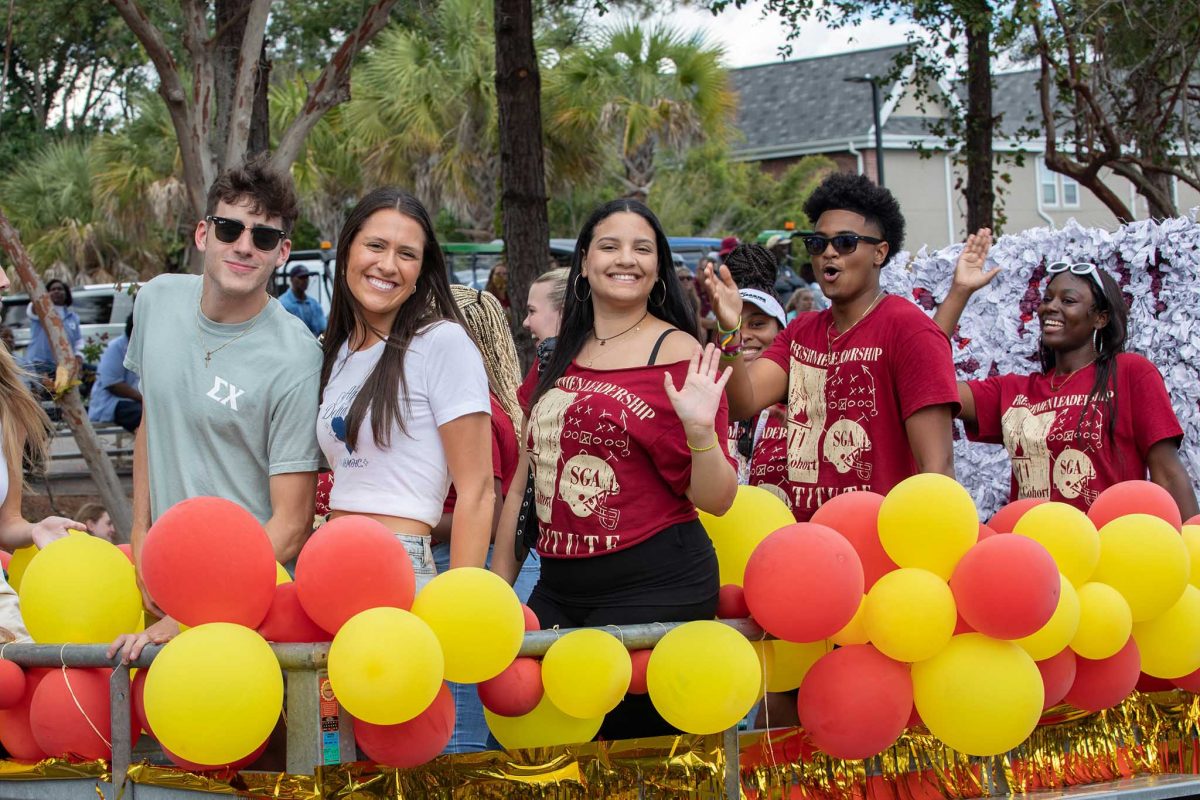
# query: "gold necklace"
1071,374
830,338
634,327
208,354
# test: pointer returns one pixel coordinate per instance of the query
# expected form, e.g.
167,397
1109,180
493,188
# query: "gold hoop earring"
660,303
575,289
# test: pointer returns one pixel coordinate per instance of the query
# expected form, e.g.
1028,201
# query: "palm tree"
644,89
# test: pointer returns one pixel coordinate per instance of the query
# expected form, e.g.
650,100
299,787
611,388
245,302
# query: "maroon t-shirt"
848,399
610,459
1061,451
768,462
504,452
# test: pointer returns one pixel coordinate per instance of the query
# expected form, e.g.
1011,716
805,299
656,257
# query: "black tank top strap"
658,344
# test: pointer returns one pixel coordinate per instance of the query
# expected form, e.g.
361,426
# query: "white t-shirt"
10,607
445,379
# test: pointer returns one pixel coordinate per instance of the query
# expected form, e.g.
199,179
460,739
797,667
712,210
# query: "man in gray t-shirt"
230,379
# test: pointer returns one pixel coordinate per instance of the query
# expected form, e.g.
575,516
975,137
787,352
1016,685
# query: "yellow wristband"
716,441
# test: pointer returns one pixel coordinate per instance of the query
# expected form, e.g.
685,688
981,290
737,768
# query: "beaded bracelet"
732,352
716,441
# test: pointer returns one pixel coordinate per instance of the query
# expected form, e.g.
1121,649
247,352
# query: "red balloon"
411,743
1105,683
15,732
914,719
855,515
1058,673
961,626
1006,587
637,683
287,622
127,549
137,692
1193,521
351,564
514,692
1149,683
985,532
12,683
192,766
5,557
532,623
855,701
209,560
69,715
731,602
1189,682
1134,497
804,582
1004,520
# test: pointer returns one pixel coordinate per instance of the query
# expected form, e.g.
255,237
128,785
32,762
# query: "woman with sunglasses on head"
1071,430
869,383
404,394
622,440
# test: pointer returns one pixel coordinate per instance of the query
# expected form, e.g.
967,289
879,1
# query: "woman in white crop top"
23,425
404,395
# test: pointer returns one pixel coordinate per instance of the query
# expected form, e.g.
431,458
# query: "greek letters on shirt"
225,393
1029,428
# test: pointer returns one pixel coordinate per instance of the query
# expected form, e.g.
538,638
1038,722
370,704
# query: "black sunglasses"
844,243
230,230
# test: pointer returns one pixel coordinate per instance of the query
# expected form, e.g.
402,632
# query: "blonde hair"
488,325
26,426
558,289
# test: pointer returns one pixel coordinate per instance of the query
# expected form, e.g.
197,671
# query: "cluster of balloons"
894,609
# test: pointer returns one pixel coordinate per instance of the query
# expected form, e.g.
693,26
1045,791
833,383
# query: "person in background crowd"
687,282
1094,415
297,301
800,302
727,246
497,284
869,384
820,301
543,309
7,338
229,378
489,327
39,356
24,433
115,396
404,394
97,521
618,530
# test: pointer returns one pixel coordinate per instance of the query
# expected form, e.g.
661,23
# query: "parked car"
102,309
691,248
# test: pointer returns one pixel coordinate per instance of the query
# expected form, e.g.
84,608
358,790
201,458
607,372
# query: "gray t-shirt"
224,428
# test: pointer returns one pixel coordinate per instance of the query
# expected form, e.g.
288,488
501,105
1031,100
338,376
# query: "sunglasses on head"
843,244
230,230
1083,268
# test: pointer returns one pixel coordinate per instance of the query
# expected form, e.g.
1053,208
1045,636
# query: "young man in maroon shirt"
869,383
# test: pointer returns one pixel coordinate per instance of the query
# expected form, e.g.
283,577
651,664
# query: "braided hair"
489,327
753,267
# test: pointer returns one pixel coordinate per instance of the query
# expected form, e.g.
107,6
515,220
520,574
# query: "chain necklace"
208,354
603,341
830,338
1071,374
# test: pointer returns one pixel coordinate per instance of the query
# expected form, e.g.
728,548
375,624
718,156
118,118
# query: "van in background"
102,309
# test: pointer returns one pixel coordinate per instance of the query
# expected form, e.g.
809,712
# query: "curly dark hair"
846,192
270,192
753,267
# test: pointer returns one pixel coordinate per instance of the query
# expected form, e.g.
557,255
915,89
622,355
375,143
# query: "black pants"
128,414
670,577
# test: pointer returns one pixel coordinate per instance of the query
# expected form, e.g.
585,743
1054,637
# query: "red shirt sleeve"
987,411
527,387
1154,419
923,371
779,351
672,456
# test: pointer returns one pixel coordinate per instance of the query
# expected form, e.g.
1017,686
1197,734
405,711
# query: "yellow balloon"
1144,559
755,515
980,696
18,564
928,521
1053,637
766,663
214,693
909,614
1105,622
701,677
385,665
586,673
80,589
478,620
1191,540
1068,535
545,726
1170,643
789,662
855,631
281,574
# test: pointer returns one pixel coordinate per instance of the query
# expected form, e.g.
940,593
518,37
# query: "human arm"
930,439
504,559
293,498
443,530
749,389
111,374
123,389
140,523
713,479
15,530
463,438
1168,472
969,277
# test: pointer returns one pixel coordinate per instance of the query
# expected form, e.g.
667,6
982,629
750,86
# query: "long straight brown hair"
26,428
430,301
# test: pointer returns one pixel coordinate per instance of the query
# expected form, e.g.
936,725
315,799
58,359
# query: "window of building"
1057,191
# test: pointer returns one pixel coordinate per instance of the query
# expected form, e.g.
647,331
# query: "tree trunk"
524,218
980,192
98,462
260,115
639,170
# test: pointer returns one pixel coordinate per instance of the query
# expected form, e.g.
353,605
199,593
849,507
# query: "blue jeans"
471,734
421,556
